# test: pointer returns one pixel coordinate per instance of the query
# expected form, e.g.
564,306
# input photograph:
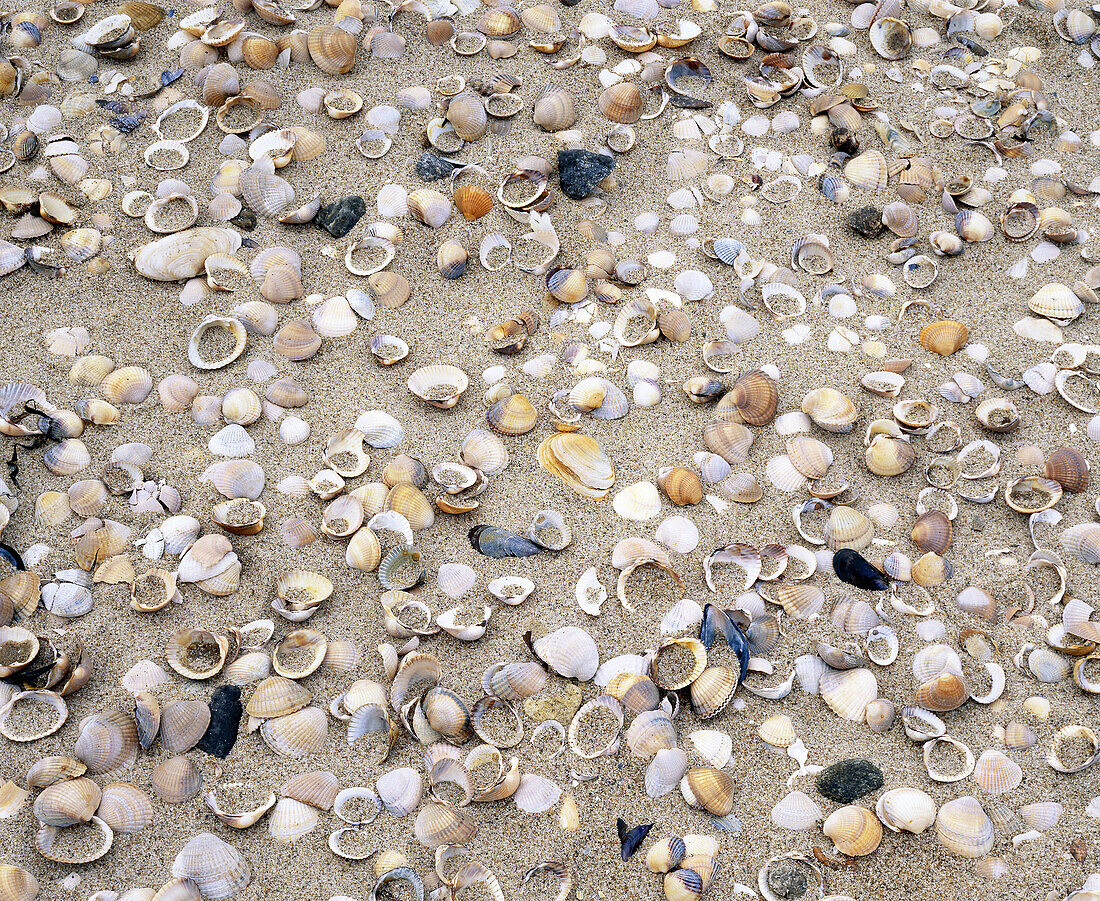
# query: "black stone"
432,168
851,567
631,839
848,780
683,101
339,217
581,170
225,721
570,2
866,222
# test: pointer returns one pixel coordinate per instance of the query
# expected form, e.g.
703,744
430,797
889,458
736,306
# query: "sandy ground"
138,322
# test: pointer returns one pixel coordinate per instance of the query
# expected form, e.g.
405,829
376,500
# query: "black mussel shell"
851,567
493,541
631,839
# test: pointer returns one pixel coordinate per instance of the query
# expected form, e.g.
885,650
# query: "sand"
135,321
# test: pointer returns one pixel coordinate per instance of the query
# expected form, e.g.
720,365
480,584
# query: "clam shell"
964,829
855,831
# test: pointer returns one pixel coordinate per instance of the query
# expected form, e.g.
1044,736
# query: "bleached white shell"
678,533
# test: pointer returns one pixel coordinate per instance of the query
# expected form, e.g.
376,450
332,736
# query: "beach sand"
135,321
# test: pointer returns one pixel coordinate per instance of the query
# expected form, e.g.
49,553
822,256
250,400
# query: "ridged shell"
964,829
854,830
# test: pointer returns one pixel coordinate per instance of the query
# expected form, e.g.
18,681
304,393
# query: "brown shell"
622,103
752,400
932,532
1068,468
710,788
947,691
944,337
681,485
473,201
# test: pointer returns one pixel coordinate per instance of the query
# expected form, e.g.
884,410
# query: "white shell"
678,533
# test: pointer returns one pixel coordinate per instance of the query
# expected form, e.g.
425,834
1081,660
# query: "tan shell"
855,830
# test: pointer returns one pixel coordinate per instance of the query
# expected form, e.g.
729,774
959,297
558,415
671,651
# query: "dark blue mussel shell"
851,567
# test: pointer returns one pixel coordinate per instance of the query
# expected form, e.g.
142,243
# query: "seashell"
473,201
996,773
947,691
752,400
429,207
830,410
855,831
175,780
297,734
709,788
963,759
906,810
1056,301
182,724
796,811
438,824
568,651
964,829
67,802
439,385
332,49
944,337
848,692
183,255
554,110
125,808
56,844
621,103
1068,468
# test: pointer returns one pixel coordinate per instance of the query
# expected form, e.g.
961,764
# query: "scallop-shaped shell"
848,692
944,337
848,528
854,830
332,49
621,103
125,808
709,788
67,802
298,734
830,409
796,811
439,824
996,773
176,780
568,651
964,829
400,790
182,724
1056,301
107,741
277,696
429,207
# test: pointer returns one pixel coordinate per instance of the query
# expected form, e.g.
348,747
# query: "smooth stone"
848,780
581,170
339,218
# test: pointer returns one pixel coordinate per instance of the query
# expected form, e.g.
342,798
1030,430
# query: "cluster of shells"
866,584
